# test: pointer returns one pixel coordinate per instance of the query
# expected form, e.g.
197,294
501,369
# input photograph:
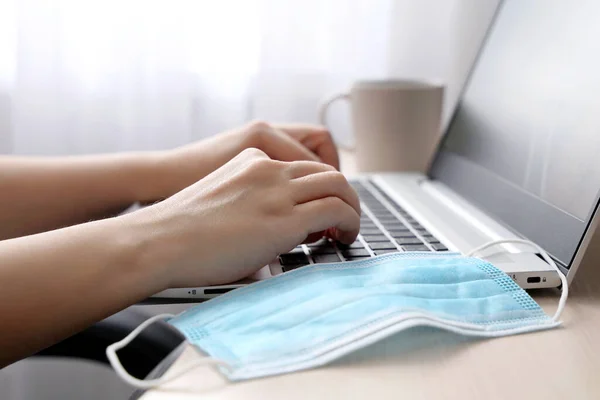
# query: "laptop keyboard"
385,227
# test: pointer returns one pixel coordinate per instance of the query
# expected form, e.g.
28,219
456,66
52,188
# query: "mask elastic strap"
546,257
111,353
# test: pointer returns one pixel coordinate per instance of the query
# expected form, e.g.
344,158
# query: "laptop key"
355,258
376,207
404,234
356,253
385,215
385,251
401,233
390,221
382,246
439,247
293,259
396,226
323,250
326,258
370,231
403,241
376,238
356,245
368,225
415,247
287,268
430,238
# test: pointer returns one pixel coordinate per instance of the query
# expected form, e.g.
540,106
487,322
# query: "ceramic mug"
396,123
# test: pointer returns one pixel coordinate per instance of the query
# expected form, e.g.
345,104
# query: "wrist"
140,250
149,179
159,248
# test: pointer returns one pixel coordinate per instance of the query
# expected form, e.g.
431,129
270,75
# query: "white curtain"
97,76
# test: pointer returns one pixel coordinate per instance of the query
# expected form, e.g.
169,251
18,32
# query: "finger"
326,213
317,139
281,146
314,237
322,185
302,168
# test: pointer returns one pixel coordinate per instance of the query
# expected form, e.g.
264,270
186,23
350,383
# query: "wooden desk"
428,364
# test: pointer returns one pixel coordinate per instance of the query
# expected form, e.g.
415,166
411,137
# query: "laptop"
518,159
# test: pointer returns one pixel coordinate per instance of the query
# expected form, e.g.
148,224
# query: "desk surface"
559,364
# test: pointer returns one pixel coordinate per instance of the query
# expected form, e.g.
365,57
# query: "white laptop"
518,160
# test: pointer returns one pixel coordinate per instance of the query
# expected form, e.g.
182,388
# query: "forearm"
57,283
40,194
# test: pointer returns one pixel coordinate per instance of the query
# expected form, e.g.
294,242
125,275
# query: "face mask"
315,314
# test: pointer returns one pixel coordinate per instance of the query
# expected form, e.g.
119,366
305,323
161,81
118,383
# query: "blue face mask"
315,314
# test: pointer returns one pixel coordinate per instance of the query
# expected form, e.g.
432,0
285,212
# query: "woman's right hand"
240,217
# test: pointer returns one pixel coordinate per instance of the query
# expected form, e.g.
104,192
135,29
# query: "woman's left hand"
181,167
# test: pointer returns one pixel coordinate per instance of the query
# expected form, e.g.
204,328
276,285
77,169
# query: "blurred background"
96,76
82,76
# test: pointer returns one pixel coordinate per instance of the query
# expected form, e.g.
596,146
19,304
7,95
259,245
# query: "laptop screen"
524,143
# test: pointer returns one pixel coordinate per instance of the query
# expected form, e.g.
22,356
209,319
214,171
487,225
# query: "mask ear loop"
546,257
111,353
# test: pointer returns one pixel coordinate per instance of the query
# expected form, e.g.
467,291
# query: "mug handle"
324,108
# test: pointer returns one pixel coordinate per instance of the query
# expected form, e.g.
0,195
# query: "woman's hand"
178,168
240,217
218,230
